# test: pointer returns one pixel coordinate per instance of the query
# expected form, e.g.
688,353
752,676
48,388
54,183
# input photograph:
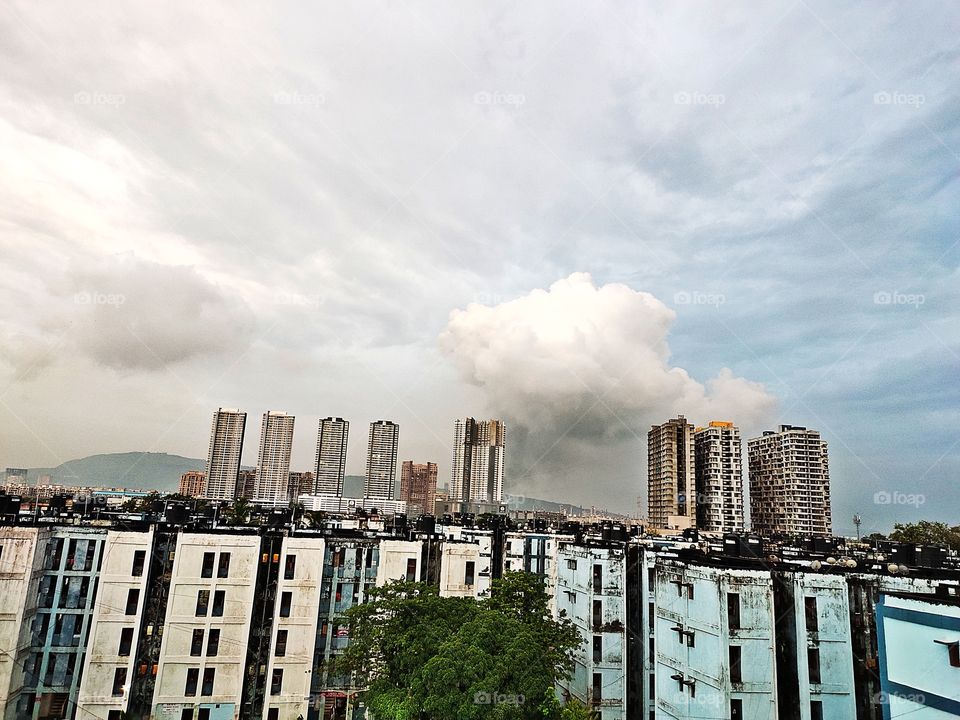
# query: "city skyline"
579,228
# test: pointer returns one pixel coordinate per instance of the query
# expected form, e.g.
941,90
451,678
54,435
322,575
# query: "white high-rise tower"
331,456
382,460
719,473
789,482
223,455
273,463
478,458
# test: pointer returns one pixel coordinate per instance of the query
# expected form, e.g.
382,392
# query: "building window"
133,599
203,601
597,613
597,688
736,709
690,597
735,672
186,714
597,578
126,642
206,570
273,714
733,611
223,567
468,572
193,677
218,600
286,599
813,664
281,650
119,681
196,643
816,710
411,569
276,682
597,648
810,613
213,643
290,567
139,558
208,675
571,564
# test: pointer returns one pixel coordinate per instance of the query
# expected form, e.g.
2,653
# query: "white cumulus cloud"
580,373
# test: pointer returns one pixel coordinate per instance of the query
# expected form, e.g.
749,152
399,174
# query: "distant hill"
145,470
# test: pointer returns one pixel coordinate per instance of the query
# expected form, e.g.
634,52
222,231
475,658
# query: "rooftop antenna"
856,521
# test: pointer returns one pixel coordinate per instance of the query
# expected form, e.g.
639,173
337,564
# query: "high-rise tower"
223,455
789,482
719,477
331,456
671,483
381,460
478,458
273,463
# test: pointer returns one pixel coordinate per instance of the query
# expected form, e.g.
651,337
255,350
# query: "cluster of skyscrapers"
695,479
477,472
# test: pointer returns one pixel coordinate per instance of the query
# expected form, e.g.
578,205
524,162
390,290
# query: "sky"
583,219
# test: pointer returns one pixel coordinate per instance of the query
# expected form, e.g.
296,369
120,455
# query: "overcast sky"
580,218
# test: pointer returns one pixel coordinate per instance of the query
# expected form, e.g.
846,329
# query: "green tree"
926,532
423,657
576,710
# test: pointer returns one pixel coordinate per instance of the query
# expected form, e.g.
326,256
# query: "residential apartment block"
172,619
718,460
789,482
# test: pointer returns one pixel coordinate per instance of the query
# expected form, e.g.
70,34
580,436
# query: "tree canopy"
423,657
926,532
